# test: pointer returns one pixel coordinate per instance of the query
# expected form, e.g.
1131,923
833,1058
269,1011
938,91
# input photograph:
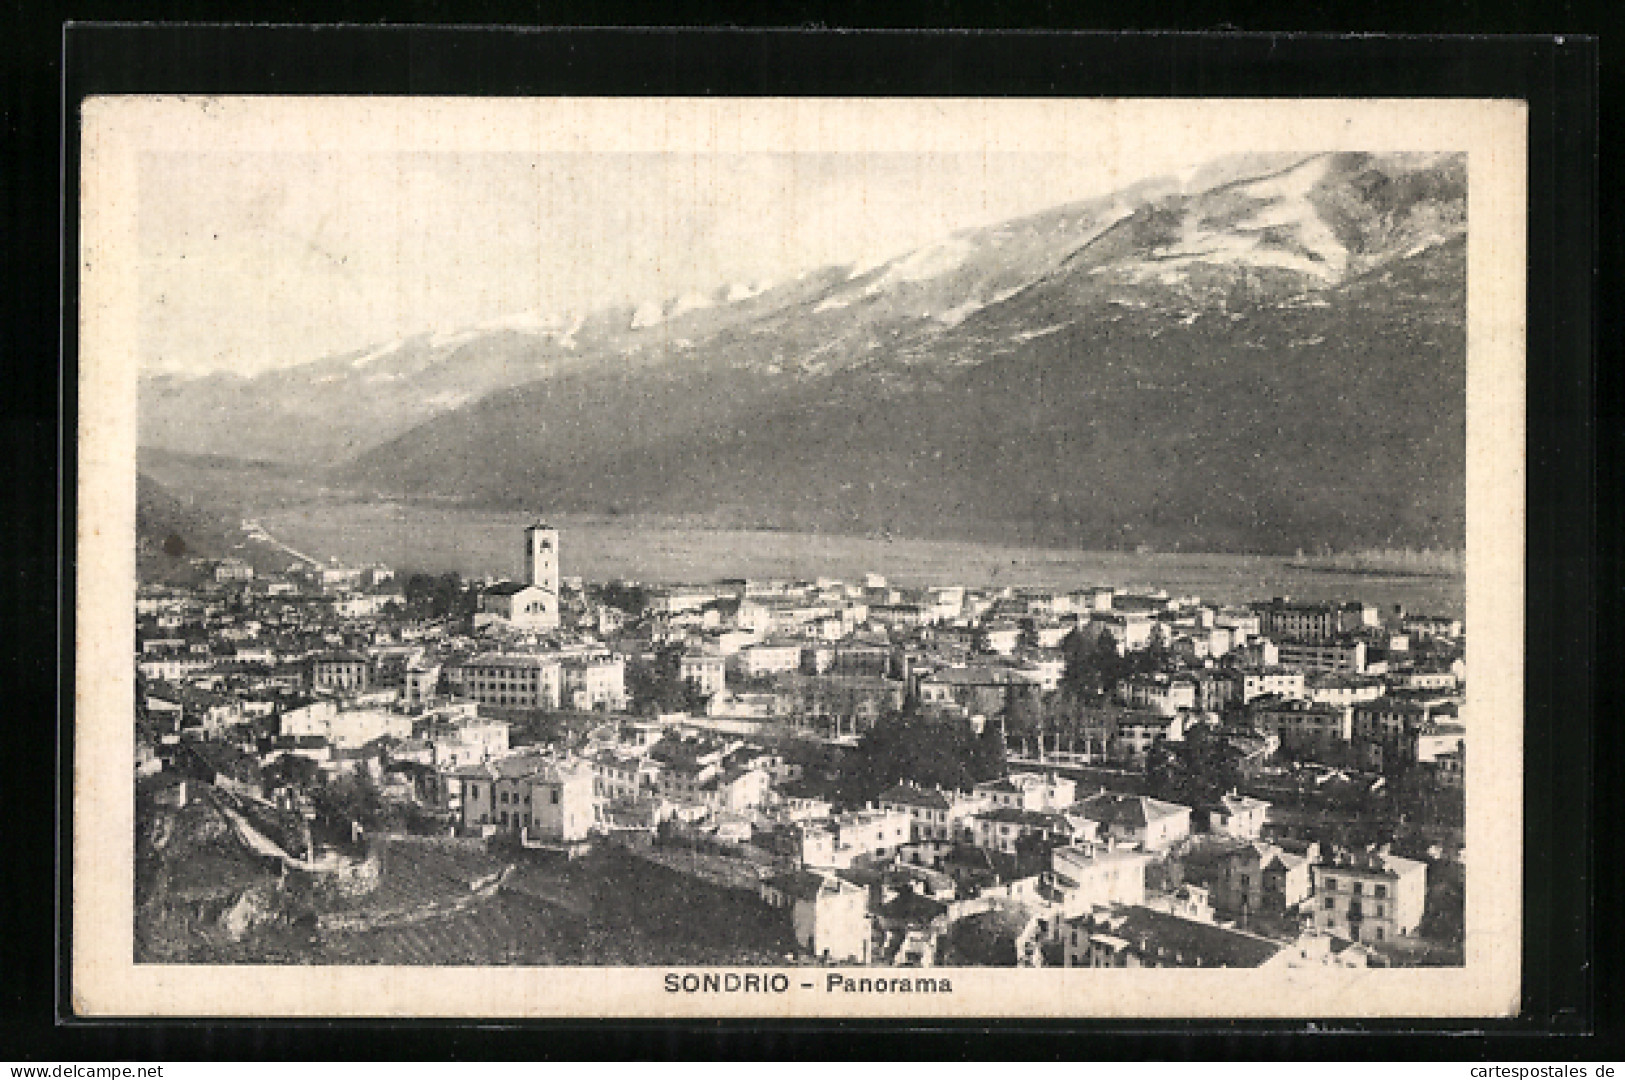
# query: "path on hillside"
259,533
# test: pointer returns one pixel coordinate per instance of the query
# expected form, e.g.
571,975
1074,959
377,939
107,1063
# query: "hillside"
1267,356
171,529
168,529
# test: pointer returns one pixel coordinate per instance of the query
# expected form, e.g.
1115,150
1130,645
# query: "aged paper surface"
118,132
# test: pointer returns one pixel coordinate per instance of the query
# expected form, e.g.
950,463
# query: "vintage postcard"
799,558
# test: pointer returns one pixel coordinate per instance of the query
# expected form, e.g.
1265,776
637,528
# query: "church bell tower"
541,574
542,557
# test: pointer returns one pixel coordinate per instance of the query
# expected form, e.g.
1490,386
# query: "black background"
1572,744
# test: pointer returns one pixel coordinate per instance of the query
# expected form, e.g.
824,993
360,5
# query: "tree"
174,546
1165,876
1033,849
1196,770
1092,665
1023,714
354,798
438,596
293,770
919,748
987,756
660,688
1155,657
632,599
452,597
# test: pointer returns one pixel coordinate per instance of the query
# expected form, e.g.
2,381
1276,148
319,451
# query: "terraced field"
502,929
418,873
607,909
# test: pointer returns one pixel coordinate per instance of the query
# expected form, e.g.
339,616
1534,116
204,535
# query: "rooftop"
908,795
1135,811
1179,942
1237,804
1371,862
507,588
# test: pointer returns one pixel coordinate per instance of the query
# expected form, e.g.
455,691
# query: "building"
983,688
1282,620
1137,732
1086,876
420,682
542,569
1264,878
840,840
736,789
705,673
854,658
513,680
1241,817
1160,693
1355,616
934,815
304,721
1416,679
334,577
768,659
1243,624
533,603
593,681
837,704
562,808
1346,655
1150,823
467,740
678,599
829,916
1303,726
1436,741
1006,829
1138,937
1393,719
1130,630
231,569
172,667
343,671
1215,690
349,729
492,793
1429,627
1336,689
1029,791
621,776
1001,638
549,800
1256,682
1369,896
522,606
1450,769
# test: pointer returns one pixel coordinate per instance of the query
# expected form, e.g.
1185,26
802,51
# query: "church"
532,603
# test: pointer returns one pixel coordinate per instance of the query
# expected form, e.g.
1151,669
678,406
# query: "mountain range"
1265,354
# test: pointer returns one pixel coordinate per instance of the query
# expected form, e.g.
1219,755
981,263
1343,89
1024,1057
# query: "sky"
250,261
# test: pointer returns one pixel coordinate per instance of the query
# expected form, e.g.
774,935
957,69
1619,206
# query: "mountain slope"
319,413
1277,363
1266,354
1335,425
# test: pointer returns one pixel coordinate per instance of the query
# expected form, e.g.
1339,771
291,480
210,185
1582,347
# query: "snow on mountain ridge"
689,301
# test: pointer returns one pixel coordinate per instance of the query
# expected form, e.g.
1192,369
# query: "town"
346,764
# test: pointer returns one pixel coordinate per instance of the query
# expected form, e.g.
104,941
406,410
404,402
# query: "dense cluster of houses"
326,663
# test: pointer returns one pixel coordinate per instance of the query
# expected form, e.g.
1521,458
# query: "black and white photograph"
800,558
